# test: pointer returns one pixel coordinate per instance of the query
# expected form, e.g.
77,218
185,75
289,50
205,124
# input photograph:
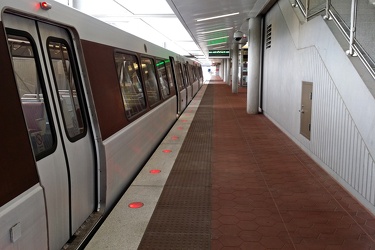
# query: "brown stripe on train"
105,87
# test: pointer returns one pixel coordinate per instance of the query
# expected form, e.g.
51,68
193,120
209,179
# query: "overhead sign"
225,53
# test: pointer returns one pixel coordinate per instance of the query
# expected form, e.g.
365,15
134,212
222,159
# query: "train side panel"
129,148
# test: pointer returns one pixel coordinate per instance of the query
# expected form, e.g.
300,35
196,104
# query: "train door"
50,89
189,87
180,89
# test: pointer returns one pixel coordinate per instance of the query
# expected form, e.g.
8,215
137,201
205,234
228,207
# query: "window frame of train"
155,82
77,127
37,138
141,106
185,76
191,73
168,67
180,80
161,67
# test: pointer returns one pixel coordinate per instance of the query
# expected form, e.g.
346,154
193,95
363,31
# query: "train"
83,106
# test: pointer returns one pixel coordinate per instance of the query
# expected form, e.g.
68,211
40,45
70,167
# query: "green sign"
225,53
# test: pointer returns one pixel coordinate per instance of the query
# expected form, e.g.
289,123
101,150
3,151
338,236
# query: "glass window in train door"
163,78
179,76
191,74
168,66
66,81
186,82
32,93
151,84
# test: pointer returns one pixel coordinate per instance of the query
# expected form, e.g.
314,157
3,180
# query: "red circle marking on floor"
136,204
167,151
180,128
184,120
175,137
155,171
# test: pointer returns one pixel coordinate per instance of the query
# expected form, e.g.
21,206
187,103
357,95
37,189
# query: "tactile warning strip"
182,217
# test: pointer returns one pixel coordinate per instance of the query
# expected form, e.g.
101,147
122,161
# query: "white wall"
343,112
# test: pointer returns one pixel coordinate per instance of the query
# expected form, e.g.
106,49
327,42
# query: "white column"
228,71
235,68
78,4
253,66
224,70
221,71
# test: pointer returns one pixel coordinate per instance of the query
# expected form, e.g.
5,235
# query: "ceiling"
190,12
173,24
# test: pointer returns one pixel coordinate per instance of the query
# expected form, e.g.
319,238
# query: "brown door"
306,105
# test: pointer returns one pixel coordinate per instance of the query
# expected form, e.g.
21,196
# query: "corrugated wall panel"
335,138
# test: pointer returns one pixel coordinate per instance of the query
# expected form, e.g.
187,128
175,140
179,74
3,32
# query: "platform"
229,180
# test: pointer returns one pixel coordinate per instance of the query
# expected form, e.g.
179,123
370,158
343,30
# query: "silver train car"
83,105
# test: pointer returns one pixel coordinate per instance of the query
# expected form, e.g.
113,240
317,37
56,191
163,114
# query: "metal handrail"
305,9
355,49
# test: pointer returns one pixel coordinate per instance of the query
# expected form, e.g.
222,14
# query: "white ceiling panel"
170,27
173,23
144,7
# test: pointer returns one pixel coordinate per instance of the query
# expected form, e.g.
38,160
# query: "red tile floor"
268,194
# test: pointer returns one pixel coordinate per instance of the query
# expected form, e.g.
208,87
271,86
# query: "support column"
235,68
77,4
224,72
228,71
253,68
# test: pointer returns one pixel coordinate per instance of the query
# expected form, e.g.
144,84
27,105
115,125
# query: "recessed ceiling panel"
170,27
145,7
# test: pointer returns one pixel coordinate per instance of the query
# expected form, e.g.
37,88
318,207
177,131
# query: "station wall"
343,108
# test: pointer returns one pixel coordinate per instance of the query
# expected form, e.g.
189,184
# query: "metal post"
328,7
353,19
307,8
235,68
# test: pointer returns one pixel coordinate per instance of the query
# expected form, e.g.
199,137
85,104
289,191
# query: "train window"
163,77
151,84
186,82
180,83
66,83
32,95
168,66
131,87
191,73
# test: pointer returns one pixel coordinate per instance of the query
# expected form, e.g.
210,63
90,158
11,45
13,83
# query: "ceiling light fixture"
215,38
215,44
211,31
220,47
215,17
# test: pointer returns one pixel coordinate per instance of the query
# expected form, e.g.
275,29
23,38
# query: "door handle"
301,110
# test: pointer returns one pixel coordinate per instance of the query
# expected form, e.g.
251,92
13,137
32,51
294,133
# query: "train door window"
66,83
163,78
129,76
151,84
32,94
168,67
186,80
180,83
191,76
